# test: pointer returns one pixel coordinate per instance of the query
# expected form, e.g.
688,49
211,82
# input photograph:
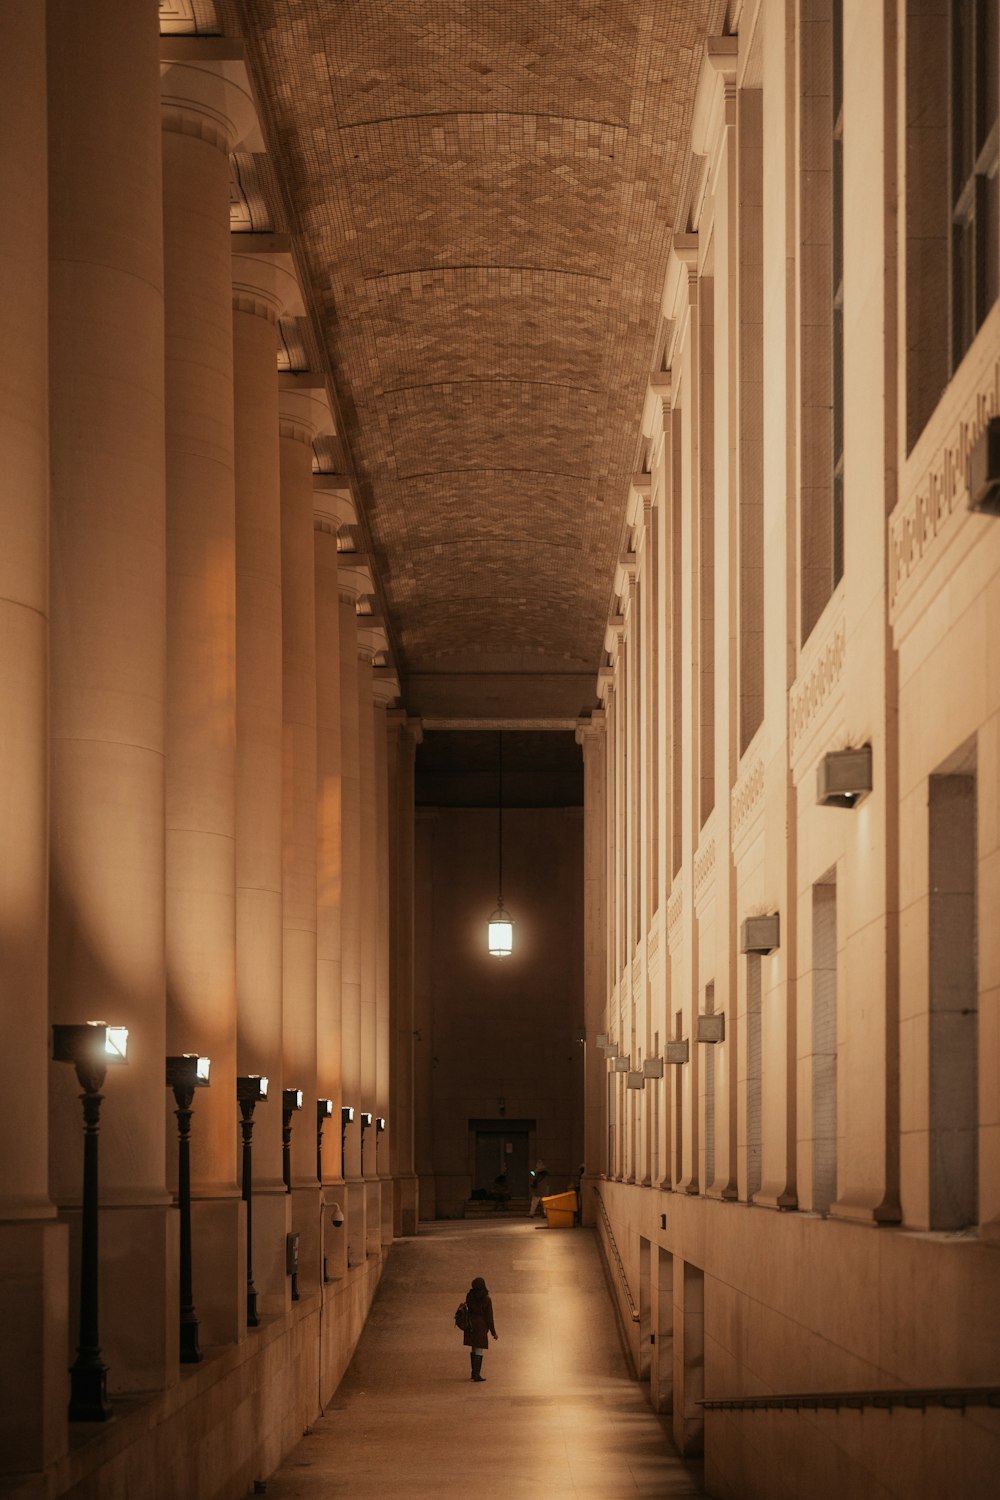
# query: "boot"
472,1362
477,1365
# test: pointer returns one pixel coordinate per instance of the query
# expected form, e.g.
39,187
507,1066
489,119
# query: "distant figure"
501,1192
539,1185
480,1325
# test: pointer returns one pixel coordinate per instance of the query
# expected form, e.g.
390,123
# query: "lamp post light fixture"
324,1112
366,1121
291,1100
251,1090
500,924
91,1047
185,1073
379,1128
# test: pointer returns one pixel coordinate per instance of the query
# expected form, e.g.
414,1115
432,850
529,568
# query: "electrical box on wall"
711,1028
760,934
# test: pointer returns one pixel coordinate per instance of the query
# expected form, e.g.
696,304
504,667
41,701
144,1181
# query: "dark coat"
480,1323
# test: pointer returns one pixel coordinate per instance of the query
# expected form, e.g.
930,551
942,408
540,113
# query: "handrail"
953,1398
633,1310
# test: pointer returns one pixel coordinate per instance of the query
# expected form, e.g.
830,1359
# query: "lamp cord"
500,817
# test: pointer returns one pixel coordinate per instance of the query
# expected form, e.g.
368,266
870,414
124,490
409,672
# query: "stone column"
591,736
353,581
332,509
206,110
404,736
304,413
106,940
369,642
33,1247
385,690
263,287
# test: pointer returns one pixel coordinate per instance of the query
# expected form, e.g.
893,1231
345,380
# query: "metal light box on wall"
843,777
620,1065
676,1052
601,1040
652,1067
760,934
711,1028
635,1080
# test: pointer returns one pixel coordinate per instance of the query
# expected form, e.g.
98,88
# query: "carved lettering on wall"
920,521
810,694
747,795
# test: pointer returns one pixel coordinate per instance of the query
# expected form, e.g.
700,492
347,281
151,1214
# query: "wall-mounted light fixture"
983,470
676,1053
620,1064
760,934
710,1028
366,1123
500,926
635,1080
91,1046
601,1039
251,1090
652,1067
185,1073
843,777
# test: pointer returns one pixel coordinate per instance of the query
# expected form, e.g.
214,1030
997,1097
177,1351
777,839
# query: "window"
974,183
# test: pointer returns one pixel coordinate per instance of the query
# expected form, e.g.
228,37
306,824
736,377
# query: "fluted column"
106,937
332,509
591,736
206,110
33,1247
304,414
353,581
263,287
404,735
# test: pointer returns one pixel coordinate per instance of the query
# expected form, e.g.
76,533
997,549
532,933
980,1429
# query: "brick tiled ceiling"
483,196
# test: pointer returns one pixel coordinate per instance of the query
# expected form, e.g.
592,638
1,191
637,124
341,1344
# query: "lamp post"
291,1100
500,925
324,1111
346,1118
90,1047
379,1127
250,1091
366,1121
185,1073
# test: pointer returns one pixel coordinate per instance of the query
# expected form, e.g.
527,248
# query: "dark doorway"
502,1146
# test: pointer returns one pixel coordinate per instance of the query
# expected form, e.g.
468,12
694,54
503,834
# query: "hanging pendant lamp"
500,927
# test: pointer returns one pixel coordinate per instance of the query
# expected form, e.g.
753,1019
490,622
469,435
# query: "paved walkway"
558,1417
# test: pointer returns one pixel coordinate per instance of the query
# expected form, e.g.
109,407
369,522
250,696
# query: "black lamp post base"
253,1321
190,1354
88,1393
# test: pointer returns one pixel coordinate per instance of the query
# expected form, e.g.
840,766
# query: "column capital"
385,686
333,502
265,285
211,100
354,577
372,638
303,407
590,732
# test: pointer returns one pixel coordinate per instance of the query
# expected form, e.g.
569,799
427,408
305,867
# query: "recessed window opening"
975,181
676,768
751,415
837,520
753,1080
953,1022
824,1058
706,545
678,1077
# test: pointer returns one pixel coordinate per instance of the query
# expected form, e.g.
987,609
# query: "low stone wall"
228,1421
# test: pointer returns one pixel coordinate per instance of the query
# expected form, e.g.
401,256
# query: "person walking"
479,1325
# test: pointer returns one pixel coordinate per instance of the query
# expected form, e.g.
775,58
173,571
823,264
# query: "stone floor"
558,1417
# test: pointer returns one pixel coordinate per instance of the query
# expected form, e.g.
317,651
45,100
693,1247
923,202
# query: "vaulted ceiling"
482,194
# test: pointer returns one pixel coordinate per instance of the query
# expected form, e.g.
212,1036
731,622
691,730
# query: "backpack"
462,1317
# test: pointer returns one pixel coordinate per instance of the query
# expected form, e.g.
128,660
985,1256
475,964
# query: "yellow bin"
560,1209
